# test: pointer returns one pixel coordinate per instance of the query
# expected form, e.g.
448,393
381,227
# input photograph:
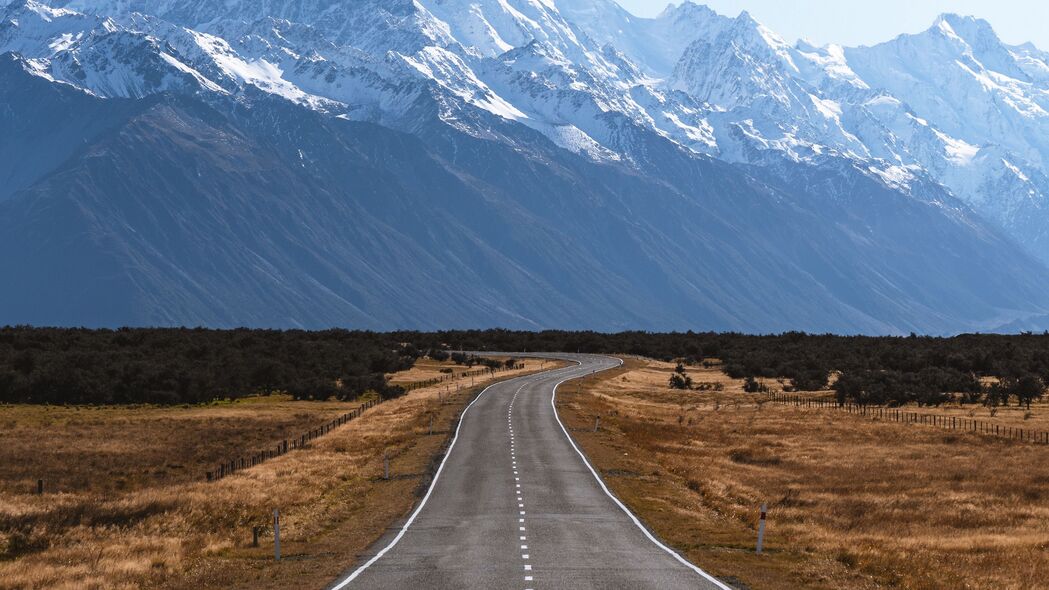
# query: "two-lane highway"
516,505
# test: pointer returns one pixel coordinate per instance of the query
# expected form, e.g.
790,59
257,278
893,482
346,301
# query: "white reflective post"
276,534
761,529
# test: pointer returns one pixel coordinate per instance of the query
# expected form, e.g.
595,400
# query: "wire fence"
453,376
228,468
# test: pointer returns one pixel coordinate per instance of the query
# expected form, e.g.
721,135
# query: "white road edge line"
674,554
345,582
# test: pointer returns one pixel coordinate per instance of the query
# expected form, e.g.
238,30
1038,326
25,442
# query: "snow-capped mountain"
946,126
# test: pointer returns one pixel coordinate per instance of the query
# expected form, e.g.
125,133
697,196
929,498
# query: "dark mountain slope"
265,214
42,125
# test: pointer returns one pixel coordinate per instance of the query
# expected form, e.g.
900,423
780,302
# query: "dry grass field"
426,369
126,506
852,503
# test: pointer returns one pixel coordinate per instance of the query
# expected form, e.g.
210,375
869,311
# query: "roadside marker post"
597,423
761,528
276,534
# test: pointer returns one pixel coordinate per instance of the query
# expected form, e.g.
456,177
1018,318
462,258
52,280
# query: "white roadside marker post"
597,423
276,534
761,529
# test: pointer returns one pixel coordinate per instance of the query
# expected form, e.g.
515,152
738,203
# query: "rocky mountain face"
520,163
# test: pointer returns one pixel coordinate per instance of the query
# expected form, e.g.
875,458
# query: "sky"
866,22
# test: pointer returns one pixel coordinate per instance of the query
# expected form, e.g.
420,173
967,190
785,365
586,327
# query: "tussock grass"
126,506
853,503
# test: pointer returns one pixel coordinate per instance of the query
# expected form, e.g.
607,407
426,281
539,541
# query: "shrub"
752,385
679,381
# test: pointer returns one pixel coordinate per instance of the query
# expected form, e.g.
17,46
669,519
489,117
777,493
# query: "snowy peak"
95,54
744,63
976,32
948,105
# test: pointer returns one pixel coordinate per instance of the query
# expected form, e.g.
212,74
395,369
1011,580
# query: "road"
515,505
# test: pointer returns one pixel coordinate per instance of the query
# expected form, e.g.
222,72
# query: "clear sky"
866,22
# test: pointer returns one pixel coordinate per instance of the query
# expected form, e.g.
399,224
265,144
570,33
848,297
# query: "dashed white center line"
517,482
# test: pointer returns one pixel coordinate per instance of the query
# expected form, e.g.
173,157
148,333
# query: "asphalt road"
515,505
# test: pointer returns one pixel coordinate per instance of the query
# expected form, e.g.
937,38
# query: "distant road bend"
516,505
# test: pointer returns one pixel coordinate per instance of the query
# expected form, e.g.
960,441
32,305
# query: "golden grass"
426,369
170,529
852,503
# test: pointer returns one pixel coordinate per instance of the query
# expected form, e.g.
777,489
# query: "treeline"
870,370
168,366
176,366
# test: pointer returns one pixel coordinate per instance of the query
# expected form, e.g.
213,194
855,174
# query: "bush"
679,381
752,385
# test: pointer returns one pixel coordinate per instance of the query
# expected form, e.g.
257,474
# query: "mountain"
954,103
519,163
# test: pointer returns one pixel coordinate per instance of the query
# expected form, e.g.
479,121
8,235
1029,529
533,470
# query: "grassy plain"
853,503
125,505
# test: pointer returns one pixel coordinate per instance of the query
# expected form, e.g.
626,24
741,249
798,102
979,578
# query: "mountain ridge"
563,182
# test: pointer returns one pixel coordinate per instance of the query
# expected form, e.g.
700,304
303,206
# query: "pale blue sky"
865,22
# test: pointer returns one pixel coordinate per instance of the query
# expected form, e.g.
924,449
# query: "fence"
952,423
453,376
230,467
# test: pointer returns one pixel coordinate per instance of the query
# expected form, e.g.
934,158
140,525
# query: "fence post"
40,487
597,423
276,534
761,529
255,536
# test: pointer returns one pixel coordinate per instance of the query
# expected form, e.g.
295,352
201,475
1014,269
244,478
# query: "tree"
1027,389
